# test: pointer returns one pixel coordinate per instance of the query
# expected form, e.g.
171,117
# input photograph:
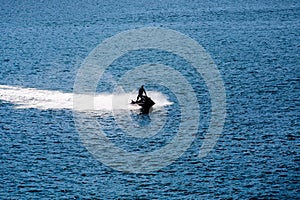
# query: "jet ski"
145,103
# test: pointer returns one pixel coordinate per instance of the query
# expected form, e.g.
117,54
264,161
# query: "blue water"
255,45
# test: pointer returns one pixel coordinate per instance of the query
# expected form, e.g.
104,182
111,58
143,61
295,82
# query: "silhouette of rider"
141,91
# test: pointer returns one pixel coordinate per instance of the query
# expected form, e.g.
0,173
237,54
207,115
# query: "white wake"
48,99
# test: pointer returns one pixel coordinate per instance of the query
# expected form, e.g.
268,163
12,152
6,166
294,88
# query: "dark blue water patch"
143,120
165,134
37,153
133,59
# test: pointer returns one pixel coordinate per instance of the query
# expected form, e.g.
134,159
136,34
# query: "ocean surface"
255,46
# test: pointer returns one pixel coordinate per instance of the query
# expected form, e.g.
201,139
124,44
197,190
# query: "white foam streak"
48,99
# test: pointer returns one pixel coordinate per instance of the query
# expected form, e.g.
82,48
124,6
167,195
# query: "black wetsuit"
141,91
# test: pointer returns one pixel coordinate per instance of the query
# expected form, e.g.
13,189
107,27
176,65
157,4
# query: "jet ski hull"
145,103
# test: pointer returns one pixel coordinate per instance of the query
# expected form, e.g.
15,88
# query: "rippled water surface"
255,45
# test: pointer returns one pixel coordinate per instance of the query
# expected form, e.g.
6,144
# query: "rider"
141,91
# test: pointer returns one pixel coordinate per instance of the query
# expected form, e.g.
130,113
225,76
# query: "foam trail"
48,99
34,98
